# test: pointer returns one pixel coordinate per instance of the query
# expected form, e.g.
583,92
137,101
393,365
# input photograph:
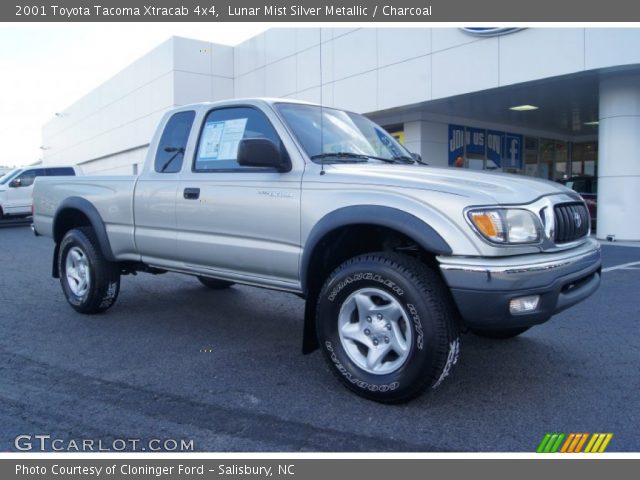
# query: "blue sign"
513,146
502,150
495,142
475,140
456,145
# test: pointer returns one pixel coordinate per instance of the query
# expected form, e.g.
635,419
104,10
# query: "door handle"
191,193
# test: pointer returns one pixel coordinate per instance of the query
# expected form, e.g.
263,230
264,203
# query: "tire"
94,285
214,283
396,301
501,334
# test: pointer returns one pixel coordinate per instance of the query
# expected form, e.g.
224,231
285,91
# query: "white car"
16,187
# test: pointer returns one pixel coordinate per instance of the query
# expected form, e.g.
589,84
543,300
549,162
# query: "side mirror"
261,152
15,183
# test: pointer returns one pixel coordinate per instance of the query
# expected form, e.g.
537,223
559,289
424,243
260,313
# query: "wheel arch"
390,221
76,212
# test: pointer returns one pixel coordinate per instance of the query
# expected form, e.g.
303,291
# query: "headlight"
506,225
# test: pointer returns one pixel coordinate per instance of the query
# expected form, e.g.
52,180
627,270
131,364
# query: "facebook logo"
513,151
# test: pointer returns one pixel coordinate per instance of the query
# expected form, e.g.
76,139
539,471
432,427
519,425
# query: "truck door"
156,190
20,191
239,222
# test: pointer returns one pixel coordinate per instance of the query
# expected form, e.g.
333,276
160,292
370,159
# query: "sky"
44,68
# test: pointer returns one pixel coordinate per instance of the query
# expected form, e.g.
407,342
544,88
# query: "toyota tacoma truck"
394,258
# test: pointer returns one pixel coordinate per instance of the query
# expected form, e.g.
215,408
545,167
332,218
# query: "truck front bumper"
483,288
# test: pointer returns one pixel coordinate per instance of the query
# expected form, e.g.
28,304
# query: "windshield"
8,176
327,134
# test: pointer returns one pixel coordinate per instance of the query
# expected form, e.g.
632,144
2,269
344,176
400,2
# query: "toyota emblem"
577,219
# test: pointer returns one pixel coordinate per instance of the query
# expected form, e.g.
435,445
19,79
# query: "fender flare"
382,216
378,215
89,210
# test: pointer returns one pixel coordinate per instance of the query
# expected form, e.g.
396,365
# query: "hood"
503,188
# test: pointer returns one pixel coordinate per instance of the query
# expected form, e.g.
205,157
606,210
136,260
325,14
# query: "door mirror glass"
16,183
262,152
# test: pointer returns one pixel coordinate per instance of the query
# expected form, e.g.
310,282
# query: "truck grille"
572,222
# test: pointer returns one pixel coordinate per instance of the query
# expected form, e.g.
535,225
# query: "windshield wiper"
176,151
399,159
363,157
348,157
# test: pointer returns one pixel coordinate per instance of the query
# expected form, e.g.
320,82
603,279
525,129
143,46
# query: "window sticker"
220,140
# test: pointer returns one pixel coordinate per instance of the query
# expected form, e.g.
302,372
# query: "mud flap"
55,272
309,337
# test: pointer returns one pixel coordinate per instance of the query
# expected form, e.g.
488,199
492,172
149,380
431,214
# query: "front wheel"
90,283
387,327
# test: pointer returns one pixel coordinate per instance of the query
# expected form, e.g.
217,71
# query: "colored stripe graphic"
591,442
567,445
573,442
550,443
604,445
598,443
543,443
556,445
581,443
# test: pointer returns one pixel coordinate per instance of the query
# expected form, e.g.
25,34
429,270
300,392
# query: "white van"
16,187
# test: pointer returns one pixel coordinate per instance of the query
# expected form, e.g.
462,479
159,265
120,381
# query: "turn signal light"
489,224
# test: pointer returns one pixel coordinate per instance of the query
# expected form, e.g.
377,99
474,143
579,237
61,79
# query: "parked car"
16,188
587,187
394,258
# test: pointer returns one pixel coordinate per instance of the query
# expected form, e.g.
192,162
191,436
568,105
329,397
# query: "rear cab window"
172,145
60,172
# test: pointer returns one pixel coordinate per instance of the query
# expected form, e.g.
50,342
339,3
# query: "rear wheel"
214,283
90,283
501,334
387,327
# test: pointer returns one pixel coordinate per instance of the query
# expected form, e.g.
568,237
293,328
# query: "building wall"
107,130
369,70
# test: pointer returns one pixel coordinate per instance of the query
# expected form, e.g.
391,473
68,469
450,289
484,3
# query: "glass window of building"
553,159
584,159
531,156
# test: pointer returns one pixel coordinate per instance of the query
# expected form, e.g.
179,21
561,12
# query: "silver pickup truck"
394,258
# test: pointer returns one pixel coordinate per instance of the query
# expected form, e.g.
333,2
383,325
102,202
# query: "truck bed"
112,196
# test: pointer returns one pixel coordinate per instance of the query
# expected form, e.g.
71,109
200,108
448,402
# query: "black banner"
319,11
316,469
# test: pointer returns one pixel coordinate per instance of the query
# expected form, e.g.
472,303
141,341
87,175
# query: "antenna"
322,172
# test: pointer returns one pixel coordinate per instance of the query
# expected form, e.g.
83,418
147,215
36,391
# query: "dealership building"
552,103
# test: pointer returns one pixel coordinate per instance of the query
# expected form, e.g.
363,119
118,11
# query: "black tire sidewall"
421,359
104,284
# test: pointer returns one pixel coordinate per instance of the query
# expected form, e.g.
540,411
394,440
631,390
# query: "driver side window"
222,132
27,178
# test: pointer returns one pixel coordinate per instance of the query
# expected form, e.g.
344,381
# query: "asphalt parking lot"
173,360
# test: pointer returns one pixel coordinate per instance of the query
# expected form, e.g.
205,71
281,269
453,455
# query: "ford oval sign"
489,31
